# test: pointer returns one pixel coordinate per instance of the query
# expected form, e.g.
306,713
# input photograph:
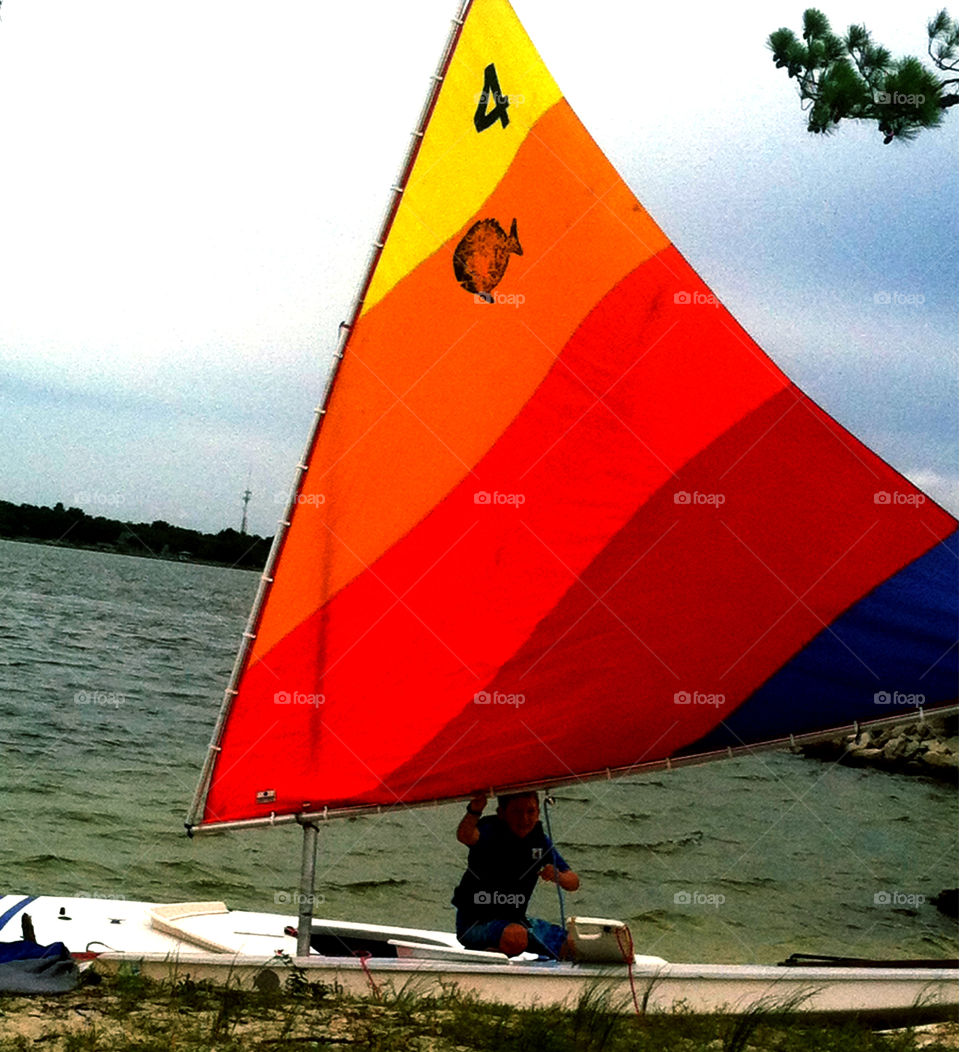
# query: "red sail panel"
560,496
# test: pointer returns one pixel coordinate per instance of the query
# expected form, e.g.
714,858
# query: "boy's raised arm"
467,832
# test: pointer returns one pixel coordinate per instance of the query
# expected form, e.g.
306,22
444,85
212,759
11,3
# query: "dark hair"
504,801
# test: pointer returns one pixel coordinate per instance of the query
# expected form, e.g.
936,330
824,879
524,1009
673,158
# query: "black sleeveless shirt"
502,871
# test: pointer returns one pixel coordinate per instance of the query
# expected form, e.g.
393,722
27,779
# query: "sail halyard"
490,616
343,339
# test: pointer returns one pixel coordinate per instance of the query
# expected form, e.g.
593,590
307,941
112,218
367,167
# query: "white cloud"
943,488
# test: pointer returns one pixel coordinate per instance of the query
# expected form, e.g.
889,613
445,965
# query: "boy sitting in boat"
507,852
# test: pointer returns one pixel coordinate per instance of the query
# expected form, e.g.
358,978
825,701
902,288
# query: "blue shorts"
543,937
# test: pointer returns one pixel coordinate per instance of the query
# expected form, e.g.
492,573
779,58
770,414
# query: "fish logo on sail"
481,258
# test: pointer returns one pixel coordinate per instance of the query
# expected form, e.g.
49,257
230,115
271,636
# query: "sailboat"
559,518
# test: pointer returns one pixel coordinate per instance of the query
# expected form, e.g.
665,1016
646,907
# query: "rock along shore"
927,746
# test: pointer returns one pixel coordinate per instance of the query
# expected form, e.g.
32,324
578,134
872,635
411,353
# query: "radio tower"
246,500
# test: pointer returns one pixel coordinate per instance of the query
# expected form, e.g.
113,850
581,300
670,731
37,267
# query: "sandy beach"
130,1013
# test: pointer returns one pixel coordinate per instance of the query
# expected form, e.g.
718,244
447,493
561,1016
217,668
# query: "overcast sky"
189,190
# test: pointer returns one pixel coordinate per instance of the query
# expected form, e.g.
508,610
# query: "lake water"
111,674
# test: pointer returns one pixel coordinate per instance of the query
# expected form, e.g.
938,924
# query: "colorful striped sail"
563,516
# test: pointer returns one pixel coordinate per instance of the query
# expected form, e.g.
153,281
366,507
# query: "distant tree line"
74,528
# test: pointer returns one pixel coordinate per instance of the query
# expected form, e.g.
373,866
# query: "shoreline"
102,549
72,527
130,1012
927,747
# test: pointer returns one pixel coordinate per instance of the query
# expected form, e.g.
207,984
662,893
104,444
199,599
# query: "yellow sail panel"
456,169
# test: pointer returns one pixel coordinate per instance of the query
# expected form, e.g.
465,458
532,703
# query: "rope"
624,933
547,801
364,956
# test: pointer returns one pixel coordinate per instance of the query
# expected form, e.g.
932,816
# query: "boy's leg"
550,940
483,935
513,940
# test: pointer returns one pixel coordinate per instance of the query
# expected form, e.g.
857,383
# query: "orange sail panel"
563,514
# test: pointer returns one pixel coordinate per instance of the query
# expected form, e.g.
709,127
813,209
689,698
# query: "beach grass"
131,1012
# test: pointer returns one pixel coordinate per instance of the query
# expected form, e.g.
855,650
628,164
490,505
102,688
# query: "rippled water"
111,673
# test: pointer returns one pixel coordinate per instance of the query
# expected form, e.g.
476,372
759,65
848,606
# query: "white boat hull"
883,997
256,952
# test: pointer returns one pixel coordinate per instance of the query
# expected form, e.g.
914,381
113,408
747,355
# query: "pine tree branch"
858,62
851,78
939,62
